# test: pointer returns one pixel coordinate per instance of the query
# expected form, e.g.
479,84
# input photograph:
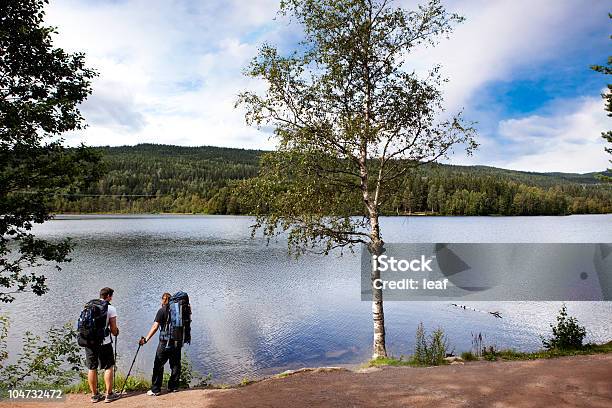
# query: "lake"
258,311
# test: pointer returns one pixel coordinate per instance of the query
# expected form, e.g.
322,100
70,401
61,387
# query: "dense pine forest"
172,179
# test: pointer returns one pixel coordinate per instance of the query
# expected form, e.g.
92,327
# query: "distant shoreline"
250,215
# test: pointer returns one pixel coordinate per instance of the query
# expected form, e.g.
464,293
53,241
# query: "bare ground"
581,381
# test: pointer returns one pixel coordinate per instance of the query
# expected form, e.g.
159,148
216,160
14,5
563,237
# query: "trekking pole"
115,369
130,370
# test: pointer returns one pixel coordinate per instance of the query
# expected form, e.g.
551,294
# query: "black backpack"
92,326
178,325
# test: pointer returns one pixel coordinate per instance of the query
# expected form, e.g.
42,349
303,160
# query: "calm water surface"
257,311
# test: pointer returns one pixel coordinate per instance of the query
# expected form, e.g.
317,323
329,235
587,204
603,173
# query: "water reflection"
256,310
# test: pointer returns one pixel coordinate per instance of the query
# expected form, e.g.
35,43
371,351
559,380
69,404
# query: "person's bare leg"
92,379
108,380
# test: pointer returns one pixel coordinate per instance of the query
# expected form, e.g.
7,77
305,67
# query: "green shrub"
420,345
187,374
468,356
490,353
432,352
567,334
53,359
438,347
189,377
135,383
510,354
139,383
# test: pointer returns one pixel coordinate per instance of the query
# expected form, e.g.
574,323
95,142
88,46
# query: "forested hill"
151,178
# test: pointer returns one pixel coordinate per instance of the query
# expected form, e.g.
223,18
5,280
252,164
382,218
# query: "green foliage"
221,181
245,381
432,352
134,383
187,373
203,381
189,377
349,118
567,334
52,360
607,135
490,353
481,349
468,356
390,361
437,348
587,349
420,345
157,178
41,88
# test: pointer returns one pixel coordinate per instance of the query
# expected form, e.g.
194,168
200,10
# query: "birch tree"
351,120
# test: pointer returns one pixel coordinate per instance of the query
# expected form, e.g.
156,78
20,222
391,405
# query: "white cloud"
113,107
503,37
170,70
566,139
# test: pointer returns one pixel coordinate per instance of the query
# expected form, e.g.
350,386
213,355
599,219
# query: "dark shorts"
100,357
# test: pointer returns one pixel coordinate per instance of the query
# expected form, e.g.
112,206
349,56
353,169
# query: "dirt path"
584,381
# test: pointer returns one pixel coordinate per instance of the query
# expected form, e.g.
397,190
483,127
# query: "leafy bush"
52,361
204,381
420,345
189,376
139,382
135,383
490,353
187,372
245,381
432,352
567,334
468,356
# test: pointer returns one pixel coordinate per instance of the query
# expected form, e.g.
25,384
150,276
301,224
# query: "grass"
469,356
246,381
135,383
508,354
394,362
139,383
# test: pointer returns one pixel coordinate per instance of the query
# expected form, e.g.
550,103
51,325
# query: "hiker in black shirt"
166,350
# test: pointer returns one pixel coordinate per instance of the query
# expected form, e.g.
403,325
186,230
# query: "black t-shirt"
162,316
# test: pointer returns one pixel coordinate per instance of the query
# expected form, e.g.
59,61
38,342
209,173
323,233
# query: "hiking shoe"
97,398
174,390
153,394
113,396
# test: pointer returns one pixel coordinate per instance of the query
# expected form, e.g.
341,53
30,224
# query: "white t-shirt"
110,313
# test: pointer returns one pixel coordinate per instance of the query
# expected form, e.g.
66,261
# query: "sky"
170,71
